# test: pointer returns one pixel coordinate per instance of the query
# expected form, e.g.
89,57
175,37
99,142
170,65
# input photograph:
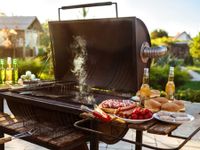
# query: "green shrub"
46,76
159,77
194,85
189,95
188,60
33,65
37,66
168,59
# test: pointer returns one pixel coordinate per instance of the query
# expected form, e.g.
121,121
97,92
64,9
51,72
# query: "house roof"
183,36
20,23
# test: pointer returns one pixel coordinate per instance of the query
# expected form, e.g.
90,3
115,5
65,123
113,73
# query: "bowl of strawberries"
138,115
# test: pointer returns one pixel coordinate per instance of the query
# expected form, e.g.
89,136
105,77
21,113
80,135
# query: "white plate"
135,121
156,116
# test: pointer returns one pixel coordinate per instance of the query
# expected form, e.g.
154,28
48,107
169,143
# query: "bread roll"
182,119
167,118
169,106
179,114
161,100
153,105
179,103
155,93
164,113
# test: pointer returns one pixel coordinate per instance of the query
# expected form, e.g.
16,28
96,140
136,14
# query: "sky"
173,16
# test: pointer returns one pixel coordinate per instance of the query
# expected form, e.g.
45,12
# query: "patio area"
151,139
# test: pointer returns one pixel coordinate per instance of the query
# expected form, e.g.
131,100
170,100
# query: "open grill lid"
113,51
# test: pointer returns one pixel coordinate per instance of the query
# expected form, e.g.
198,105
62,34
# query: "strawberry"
143,112
134,116
146,111
140,117
148,115
135,111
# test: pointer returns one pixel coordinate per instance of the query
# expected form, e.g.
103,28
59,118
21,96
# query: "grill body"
113,65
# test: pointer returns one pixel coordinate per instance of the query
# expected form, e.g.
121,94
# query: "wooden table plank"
143,126
162,128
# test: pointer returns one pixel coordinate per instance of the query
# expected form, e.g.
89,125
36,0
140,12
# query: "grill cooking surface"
67,92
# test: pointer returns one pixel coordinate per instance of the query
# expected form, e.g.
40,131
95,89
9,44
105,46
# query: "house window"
31,38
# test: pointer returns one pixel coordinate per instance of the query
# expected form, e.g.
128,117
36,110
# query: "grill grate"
69,92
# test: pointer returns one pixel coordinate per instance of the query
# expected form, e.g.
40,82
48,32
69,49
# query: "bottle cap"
9,60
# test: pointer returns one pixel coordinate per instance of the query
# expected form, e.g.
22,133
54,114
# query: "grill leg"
138,139
94,142
1,133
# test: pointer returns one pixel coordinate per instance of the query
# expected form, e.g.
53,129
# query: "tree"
158,33
195,47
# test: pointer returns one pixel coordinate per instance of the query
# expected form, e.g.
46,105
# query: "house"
19,36
180,48
183,37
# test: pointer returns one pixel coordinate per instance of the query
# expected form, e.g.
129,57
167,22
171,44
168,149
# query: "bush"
188,60
159,77
168,59
46,76
189,95
33,65
38,66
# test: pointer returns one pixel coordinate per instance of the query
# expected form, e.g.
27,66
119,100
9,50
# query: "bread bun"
179,103
170,106
161,100
153,105
154,93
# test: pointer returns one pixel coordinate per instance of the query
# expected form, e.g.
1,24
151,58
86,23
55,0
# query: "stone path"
195,75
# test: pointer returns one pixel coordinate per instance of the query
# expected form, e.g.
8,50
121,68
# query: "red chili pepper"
98,113
105,118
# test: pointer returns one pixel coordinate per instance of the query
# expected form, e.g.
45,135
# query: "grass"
194,68
194,85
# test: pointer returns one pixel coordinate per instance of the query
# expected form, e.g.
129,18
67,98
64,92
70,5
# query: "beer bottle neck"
145,79
171,75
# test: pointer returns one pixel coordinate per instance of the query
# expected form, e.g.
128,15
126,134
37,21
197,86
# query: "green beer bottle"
9,71
2,72
15,75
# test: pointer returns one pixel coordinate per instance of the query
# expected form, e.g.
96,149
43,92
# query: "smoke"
80,57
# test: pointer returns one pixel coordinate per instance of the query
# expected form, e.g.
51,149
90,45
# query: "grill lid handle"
147,52
89,5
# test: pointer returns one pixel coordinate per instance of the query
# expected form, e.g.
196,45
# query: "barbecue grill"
112,54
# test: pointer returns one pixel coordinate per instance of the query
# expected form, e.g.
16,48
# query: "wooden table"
154,127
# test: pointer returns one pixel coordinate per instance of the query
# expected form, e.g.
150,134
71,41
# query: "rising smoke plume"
79,49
